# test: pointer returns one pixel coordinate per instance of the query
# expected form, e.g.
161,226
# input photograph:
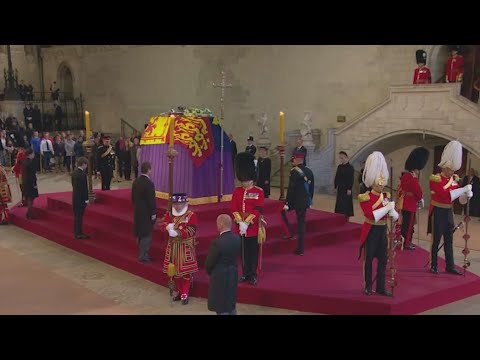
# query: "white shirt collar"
146,176
224,231
176,213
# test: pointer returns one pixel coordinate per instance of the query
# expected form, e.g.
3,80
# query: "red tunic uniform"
455,68
369,202
422,76
181,249
410,192
247,206
440,188
18,167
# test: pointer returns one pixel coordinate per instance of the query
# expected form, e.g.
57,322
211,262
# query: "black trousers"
440,223
408,220
106,175
135,170
376,246
249,256
301,214
78,212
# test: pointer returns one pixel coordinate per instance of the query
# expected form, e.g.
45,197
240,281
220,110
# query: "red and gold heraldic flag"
193,133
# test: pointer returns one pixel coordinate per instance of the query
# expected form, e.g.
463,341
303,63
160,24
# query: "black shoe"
298,252
434,270
82,236
145,260
243,279
185,301
454,271
385,293
368,291
410,247
253,280
177,298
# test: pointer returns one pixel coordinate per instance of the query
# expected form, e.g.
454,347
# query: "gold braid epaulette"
364,197
435,178
109,149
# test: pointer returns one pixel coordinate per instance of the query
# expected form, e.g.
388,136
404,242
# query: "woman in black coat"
29,179
221,265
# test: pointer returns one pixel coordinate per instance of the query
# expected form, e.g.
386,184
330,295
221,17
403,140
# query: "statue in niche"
306,127
262,124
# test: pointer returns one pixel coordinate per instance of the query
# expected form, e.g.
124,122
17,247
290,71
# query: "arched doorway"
437,62
65,81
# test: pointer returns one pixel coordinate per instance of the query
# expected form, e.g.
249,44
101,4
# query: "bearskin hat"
245,167
417,159
421,56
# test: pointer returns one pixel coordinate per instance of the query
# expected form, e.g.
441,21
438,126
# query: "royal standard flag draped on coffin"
192,132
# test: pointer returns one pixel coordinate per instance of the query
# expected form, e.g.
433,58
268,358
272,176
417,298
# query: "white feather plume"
452,156
375,169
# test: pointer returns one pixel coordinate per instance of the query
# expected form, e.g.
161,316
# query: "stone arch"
65,80
363,152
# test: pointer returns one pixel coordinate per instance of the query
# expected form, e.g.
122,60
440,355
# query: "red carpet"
328,279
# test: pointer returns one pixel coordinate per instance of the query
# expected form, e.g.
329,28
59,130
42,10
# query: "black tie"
48,147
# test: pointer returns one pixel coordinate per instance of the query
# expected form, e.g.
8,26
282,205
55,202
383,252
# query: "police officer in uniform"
106,162
299,197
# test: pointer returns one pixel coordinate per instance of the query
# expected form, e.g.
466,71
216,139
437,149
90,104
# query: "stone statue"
306,130
263,138
262,124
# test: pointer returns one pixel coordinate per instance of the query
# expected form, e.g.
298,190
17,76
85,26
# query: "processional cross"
222,86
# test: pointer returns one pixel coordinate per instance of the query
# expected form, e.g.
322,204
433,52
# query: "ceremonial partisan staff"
393,242
466,235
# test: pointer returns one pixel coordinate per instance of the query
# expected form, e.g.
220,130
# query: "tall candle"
282,127
87,125
172,131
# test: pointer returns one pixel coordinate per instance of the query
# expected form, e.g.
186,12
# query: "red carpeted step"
327,279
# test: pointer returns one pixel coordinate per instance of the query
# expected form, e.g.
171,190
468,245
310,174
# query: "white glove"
467,188
391,205
154,217
469,194
394,214
286,208
172,233
243,227
380,213
170,226
86,201
421,204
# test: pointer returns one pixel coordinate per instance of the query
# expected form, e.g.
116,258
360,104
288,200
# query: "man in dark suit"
233,144
250,147
144,211
221,265
80,197
264,168
343,186
29,179
299,198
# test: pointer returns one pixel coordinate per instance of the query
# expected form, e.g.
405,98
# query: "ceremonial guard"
106,162
454,65
18,169
376,206
410,194
299,198
181,226
247,209
445,189
264,168
5,196
422,74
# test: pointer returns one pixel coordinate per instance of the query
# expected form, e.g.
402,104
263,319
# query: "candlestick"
172,131
282,127
87,125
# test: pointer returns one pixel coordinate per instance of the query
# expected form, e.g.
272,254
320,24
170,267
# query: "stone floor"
38,276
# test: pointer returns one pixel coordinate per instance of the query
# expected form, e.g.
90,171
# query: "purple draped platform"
196,182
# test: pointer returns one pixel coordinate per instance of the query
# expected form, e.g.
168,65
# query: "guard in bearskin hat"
445,189
181,225
299,198
422,74
454,65
410,194
247,208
